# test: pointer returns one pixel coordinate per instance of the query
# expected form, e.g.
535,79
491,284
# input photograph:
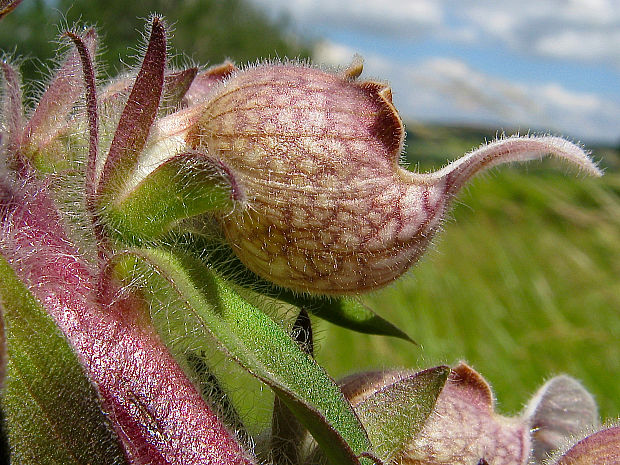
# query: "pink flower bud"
463,428
327,209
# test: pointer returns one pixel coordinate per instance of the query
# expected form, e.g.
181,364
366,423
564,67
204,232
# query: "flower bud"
462,427
326,207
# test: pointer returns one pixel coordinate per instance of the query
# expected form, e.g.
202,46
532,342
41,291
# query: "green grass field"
523,283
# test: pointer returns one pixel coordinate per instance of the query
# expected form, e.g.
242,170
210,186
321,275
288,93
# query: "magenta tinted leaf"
464,428
50,117
176,86
139,112
14,115
156,410
92,113
258,344
54,414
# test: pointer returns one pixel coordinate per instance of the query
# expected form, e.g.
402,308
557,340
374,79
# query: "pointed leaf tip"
348,313
395,406
140,111
176,86
355,68
82,45
50,117
464,427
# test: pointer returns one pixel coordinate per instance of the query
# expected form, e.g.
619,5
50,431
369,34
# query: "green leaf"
287,433
183,186
394,413
258,344
212,389
53,414
347,312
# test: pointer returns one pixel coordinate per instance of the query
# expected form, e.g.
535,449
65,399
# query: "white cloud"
389,17
450,90
586,46
568,29
332,54
587,30
577,101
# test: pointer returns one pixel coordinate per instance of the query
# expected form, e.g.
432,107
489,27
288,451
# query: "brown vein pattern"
318,158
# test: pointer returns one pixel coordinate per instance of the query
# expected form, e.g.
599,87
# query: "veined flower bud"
461,427
326,207
465,429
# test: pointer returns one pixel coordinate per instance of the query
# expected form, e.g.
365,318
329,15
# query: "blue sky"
540,65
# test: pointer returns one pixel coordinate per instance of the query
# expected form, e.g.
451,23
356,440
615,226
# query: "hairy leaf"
90,86
13,113
139,112
260,345
347,312
561,409
287,433
394,413
600,448
156,410
176,86
53,412
49,119
183,186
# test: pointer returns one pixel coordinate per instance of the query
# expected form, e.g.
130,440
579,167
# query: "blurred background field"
524,280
